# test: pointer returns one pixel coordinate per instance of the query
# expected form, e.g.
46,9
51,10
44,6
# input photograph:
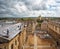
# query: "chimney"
7,33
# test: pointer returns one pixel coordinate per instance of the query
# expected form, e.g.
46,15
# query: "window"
55,27
15,42
5,47
12,46
18,26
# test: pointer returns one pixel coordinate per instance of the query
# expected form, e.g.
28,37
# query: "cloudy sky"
29,8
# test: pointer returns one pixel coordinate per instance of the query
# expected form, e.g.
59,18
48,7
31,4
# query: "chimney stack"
7,33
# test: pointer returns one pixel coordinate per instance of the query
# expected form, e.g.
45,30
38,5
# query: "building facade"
44,25
54,30
13,36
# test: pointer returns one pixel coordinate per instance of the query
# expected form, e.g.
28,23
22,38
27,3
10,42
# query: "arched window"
0,48
15,42
12,46
5,47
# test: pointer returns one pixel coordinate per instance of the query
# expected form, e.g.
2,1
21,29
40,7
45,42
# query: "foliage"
39,21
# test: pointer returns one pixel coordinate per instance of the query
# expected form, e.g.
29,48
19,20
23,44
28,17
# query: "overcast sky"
29,8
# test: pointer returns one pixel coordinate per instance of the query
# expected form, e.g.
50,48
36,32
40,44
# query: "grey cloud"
57,1
7,7
30,5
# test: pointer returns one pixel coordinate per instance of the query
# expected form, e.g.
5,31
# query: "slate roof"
13,29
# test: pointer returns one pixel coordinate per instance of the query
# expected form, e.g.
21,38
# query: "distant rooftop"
57,23
6,23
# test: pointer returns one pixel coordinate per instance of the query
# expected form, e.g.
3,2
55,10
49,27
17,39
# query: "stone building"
44,25
54,30
12,36
30,26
